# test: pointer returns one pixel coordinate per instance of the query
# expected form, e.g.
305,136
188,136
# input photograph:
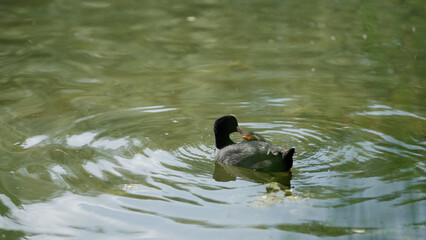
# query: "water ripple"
391,113
394,141
388,111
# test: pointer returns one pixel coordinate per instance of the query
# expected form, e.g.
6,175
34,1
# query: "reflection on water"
225,173
107,111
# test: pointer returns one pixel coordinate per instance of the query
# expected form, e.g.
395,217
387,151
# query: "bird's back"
255,155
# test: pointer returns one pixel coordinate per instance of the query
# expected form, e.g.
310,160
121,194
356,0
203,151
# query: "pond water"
107,109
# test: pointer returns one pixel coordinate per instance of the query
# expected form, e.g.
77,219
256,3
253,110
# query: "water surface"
107,109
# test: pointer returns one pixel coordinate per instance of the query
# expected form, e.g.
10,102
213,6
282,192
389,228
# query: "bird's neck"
223,141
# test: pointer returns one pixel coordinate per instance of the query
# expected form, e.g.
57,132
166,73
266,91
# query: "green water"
107,109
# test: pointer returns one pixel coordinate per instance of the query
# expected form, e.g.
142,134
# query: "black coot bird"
256,155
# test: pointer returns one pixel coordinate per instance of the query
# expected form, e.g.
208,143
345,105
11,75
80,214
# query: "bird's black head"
223,127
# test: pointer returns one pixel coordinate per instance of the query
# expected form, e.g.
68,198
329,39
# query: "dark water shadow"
12,234
320,229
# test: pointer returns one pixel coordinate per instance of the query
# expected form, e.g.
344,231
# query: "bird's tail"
288,159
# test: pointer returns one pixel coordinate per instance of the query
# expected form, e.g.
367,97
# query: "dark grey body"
256,155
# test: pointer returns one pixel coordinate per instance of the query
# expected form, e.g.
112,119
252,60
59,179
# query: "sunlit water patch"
117,182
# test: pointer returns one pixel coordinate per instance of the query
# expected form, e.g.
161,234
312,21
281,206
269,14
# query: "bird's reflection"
273,181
